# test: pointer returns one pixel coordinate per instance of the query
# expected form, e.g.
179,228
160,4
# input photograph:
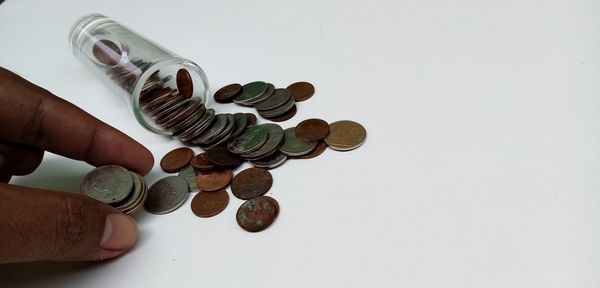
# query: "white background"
480,168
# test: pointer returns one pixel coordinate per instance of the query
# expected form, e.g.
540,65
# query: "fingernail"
120,232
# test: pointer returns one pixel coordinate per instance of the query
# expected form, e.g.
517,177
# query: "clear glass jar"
135,66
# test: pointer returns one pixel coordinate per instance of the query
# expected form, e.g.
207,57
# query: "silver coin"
279,110
189,175
217,126
222,137
166,195
159,99
271,161
189,133
170,102
293,146
240,123
267,94
152,84
273,143
278,99
187,110
109,184
139,201
202,125
166,113
189,122
133,195
250,140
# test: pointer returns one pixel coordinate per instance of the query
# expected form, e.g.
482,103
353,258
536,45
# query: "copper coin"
302,90
346,135
222,158
251,183
251,119
185,84
227,93
107,52
200,163
286,116
176,159
207,204
321,147
311,130
257,214
213,181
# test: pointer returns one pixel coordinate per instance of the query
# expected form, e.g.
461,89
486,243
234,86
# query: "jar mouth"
200,82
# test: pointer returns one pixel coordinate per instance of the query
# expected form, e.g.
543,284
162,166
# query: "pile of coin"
210,174
116,186
228,139
273,104
265,146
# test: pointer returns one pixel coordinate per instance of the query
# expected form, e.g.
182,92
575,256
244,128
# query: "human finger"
19,159
32,116
49,225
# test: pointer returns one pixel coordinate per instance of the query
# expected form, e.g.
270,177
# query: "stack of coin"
273,104
116,186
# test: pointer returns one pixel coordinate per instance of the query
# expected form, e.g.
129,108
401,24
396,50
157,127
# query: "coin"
251,91
302,90
213,130
240,123
222,136
189,175
190,121
274,141
267,94
200,127
190,108
222,158
185,85
228,93
176,159
201,163
186,134
257,214
166,195
209,204
271,161
137,196
321,147
293,146
251,119
107,52
311,130
251,183
213,181
346,135
139,200
250,140
287,106
279,98
109,184
287,116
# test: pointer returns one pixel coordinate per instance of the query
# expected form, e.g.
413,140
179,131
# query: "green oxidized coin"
252,90
293,146
250,140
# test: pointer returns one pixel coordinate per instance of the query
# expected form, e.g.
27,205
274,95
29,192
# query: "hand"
50,225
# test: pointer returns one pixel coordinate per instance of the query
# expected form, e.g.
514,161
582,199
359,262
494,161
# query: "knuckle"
70,225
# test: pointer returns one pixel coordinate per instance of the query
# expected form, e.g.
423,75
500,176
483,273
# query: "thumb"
48,225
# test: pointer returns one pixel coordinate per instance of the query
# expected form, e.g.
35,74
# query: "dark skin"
37,224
